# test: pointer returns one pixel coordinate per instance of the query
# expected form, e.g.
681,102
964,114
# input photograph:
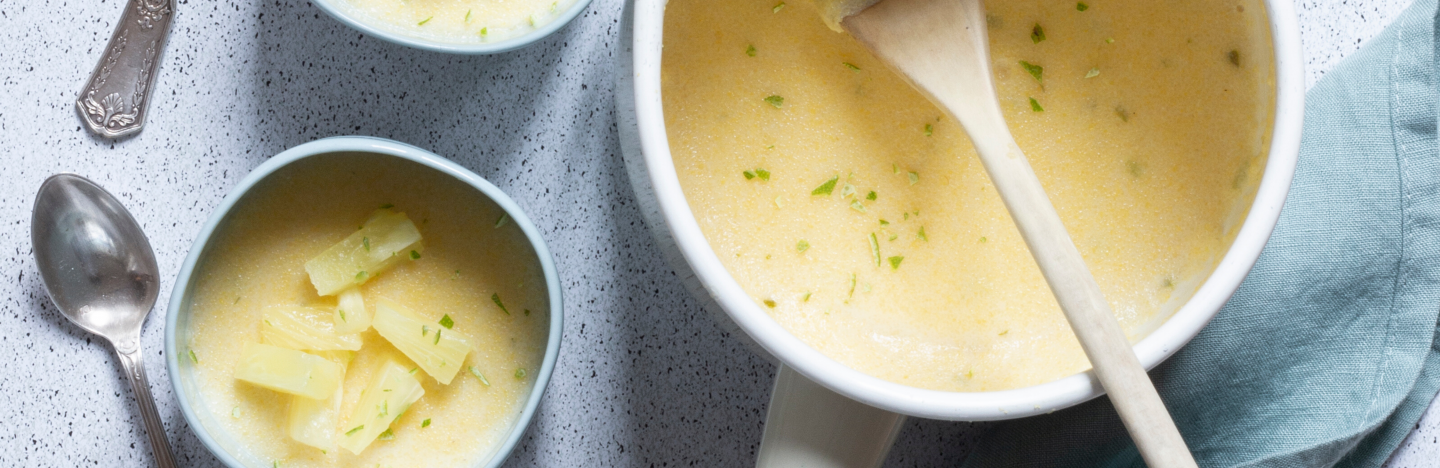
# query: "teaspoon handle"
113,102
134,364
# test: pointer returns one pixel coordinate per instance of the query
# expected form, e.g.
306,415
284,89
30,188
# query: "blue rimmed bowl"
182,372
336,9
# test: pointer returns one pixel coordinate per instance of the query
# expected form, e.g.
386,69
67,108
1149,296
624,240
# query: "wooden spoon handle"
942,48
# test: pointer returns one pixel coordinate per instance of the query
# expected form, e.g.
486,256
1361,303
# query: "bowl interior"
344,150
345,14
1249,228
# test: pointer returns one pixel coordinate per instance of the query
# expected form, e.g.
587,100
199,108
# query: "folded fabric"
1326,356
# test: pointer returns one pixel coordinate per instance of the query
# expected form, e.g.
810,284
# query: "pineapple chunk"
351,316
385,239
304,328
389,394
313,422
289,371
438,350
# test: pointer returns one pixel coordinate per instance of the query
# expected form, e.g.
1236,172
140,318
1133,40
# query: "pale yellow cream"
460,21
259,259
1148,127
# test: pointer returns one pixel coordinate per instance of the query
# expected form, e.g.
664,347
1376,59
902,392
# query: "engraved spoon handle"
134,364
113,102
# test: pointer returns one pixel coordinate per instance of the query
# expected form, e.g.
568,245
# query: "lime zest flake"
775,100
826,188
922,236
806,297
847,190
235,412
895,262
1035,105
762,174
983,239
875,248
929,129
496,298
914,178
778,7
769,303
857,206
1094,72
478,375
467,16
1034,70
447,322
520,373
802,246
387,435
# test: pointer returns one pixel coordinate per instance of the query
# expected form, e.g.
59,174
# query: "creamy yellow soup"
460,21
258,261
1146,121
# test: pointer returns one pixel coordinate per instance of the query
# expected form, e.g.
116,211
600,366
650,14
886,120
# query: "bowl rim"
364,144
482,48
1183,325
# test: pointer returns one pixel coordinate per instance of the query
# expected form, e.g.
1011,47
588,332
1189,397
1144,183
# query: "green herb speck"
387,206
884,223
748,175
414,255
1134,168
387,435
750,50
425,423
983,240
426,20
1037,34
1035,105
921,234
447,322
769,303
478,375
806,297
762,174
356,429
467,16
504,218
1122,113
1035,70
851,66
895,262
929,130
857,206
437,336
496,298
914,178
875,248
1082,6
366,242
235,412
360,275
778,7
852,285
520,373
775,101
1094,72
871,196
194,359
1234,57
414,370
802,245
826,188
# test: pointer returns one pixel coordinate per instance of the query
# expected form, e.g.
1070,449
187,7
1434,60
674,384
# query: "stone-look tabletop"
644,377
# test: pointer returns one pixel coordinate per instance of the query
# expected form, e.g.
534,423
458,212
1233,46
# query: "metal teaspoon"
99,270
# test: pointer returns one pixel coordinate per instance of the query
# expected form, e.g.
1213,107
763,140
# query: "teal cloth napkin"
1326,356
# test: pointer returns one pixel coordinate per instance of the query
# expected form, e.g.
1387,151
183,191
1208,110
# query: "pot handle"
809,426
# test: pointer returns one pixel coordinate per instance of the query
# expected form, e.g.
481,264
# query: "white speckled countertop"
644,378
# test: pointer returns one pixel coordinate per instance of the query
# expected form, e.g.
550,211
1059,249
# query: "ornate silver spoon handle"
114,100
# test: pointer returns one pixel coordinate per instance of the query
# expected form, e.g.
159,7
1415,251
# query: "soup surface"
460,21
258,261
860,218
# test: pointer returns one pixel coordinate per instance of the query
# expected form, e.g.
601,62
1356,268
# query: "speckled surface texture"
644,378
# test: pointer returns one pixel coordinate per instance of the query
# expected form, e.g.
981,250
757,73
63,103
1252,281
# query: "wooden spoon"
941,48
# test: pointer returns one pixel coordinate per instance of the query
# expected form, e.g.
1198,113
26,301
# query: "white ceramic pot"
807,418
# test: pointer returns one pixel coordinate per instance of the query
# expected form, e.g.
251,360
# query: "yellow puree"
300,211
460,21
1151,163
